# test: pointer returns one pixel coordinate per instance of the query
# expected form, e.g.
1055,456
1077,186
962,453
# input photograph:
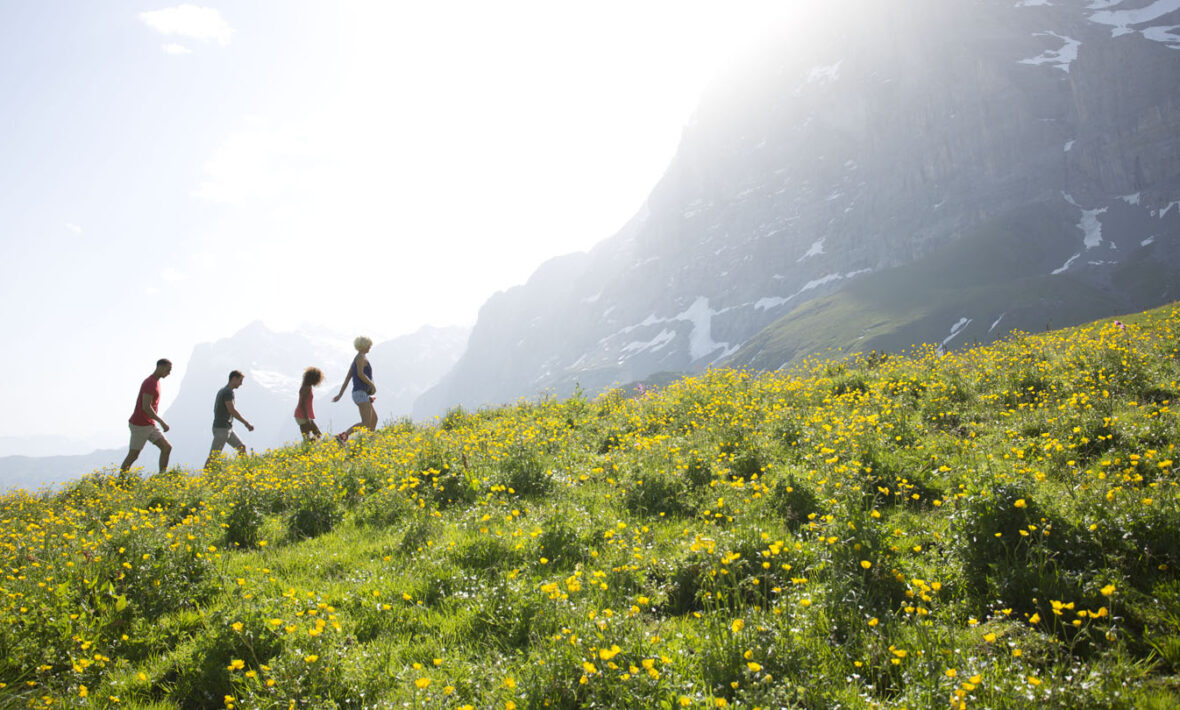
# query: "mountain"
874,175
34,472
273,364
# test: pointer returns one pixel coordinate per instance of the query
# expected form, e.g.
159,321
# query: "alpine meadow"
994,527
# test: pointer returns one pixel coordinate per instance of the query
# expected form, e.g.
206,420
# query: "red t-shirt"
304,410
150,386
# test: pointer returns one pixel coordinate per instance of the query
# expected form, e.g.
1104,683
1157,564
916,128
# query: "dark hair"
235,373
312,376
163,361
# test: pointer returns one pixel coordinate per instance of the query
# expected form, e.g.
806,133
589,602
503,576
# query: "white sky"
169,174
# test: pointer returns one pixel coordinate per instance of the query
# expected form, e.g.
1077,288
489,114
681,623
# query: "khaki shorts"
223,436
141,435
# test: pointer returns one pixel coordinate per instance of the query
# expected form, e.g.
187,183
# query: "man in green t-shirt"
224,414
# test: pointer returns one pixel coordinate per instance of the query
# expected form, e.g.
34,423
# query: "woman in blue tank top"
360,374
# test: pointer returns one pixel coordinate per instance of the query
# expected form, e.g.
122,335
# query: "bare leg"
132,454
165,452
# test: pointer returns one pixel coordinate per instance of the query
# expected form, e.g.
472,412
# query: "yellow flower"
1107,590
1033,680
1019,503
236,626
510,682
866,564
737,626
237,664
311,659
754,667
83,691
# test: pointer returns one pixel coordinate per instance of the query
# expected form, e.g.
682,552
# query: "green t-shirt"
221,416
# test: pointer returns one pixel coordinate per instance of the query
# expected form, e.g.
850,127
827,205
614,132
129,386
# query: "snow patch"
1164,35
1060,58
817,248
1147,242
957,329
1131,199
1090,225
275,381
1121,21
824,74
666,336
1034,3
700,337
592,299
1164,211
1066,265
765,304
997,321
1069,145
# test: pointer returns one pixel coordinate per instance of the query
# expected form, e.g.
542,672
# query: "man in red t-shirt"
143,419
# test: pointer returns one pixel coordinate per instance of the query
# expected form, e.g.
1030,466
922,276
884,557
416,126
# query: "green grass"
998,527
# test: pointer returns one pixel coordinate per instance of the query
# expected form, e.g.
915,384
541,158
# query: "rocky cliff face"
864,138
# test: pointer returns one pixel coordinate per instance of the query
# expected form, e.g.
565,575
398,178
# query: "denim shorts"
360,397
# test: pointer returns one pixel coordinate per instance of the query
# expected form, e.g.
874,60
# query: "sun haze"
173,173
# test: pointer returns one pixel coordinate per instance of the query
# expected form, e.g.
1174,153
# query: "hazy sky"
171,173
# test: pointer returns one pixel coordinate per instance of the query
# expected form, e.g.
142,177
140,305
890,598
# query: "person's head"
235,379
312,376
163,367
362,344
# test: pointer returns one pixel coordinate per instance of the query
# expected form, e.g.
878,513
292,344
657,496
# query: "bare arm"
347,378
145,403
233,413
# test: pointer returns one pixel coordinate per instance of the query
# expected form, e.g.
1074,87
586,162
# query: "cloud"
174,48
73,228
199,23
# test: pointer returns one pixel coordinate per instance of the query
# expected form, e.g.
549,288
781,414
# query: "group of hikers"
146,415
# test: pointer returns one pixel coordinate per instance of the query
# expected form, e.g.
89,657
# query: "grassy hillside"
998,527
995,276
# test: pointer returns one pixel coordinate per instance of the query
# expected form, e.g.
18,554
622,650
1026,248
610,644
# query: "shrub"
314,515
523,471
658,493
793,501
243,523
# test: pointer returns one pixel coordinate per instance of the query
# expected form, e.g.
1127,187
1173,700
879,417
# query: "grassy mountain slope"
998,527
995,276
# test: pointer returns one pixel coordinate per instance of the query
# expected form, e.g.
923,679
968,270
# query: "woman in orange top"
304,414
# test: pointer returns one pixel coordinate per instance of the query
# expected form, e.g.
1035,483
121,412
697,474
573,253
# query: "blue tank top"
357,382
